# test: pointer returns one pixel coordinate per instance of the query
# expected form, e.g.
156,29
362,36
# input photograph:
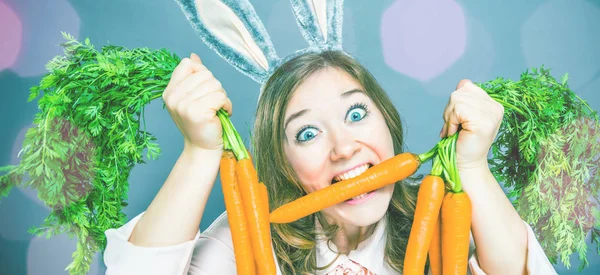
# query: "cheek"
308,165
378,138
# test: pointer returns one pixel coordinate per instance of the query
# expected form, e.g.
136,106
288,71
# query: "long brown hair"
295,243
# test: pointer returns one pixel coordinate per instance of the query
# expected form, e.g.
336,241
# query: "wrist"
198,153
475,177
473,166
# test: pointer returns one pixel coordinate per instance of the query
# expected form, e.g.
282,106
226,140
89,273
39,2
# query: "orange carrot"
456,228
265,232
387,172
238,223
258,216
435,249
429,201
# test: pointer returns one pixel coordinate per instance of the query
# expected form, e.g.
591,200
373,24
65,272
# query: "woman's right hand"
193,97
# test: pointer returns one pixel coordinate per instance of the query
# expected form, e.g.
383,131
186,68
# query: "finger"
466,86
459,112
453,120
474,100
462,116
463,96
184,69
444,130
214,101
480,100
462,83
192,81
206,105
449,106
205,88
195,57
452,129
227,106
199,84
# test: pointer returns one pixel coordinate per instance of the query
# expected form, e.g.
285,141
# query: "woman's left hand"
479,116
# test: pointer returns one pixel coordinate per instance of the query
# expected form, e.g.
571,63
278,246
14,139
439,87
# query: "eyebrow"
293,116
302,112
351,92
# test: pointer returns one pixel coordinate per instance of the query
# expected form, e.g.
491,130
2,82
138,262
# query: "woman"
321,118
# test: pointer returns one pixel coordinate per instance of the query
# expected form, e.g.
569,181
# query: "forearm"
174,215
498,231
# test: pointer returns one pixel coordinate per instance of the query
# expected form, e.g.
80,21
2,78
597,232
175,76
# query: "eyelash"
359,105
297,137
356,105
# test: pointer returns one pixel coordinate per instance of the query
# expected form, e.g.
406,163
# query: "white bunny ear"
320,21
233,30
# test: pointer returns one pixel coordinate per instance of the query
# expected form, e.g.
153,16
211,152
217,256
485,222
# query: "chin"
368,212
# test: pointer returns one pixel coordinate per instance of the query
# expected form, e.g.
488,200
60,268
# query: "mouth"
352,173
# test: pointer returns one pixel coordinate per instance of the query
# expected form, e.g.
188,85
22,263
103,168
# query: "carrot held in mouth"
429,201
238,223
387,172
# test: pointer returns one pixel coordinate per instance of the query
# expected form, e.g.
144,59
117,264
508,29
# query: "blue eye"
356,113
306,134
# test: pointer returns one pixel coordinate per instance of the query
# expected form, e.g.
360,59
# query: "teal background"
498,38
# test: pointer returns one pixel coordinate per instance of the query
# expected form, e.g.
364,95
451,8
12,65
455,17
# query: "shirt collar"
369,253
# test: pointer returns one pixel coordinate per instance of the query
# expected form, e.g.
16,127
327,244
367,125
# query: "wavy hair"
295,243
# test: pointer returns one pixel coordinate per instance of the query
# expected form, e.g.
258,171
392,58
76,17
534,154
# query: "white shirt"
211,253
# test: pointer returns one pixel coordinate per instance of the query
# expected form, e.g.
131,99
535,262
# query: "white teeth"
352,173
360,196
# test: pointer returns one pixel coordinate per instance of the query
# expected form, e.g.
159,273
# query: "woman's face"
333,132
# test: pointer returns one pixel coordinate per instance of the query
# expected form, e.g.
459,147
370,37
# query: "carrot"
435,249
456,228
257,211
429,201
238,223
265,232
387,172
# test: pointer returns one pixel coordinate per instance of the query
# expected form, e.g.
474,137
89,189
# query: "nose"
344,145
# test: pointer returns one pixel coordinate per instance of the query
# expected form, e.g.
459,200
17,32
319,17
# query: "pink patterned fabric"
350,267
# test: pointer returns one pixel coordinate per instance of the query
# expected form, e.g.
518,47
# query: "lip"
350,169
368,197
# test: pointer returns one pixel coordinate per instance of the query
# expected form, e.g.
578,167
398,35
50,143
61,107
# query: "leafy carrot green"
547,155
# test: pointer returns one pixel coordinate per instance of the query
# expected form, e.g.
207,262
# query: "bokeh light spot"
43,22
564,36
52,256
422,39
11,35
475,64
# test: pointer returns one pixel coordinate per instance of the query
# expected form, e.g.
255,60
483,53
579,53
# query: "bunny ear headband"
233,30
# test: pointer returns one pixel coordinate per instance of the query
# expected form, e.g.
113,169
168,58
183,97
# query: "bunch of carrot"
247,205
442,222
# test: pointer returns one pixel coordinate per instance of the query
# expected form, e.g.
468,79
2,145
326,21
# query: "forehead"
322,86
